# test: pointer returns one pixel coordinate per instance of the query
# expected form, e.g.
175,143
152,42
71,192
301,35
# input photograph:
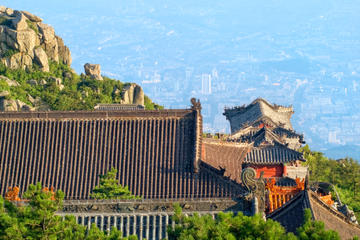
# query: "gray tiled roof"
153,152
240,117
272,155
266,135
291,215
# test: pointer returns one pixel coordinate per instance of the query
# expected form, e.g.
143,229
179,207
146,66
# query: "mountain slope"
35,72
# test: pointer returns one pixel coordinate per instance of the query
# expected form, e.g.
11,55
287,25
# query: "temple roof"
291,215
259,110
266,136
272,155
229,157
226,157
154,152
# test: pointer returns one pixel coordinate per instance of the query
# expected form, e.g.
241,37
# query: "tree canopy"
109,188
36,218
344,174
229,226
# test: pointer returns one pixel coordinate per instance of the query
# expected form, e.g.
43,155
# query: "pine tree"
109,188
225,226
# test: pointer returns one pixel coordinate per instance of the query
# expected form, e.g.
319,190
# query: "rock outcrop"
93,70
25,40
13,105
132,94
10,83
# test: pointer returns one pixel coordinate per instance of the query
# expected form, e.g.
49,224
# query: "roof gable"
240,117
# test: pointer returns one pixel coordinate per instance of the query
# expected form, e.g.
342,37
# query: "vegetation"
79,92
314,229
9,52
229,227
32,26
37,220
344,174
109,188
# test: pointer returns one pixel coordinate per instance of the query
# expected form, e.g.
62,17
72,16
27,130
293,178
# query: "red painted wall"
269,170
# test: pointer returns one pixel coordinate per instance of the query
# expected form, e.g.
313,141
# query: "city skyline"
300,54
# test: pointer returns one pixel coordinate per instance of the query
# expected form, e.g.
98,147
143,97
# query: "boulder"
4,94
58,82
42,82
31,99
32,82
18,60
3,37
132,94
23,33
52,50
14,105
67,75
42,59
64,52
23,41
19,22
47,32
9,11
32,17
93,70
11,83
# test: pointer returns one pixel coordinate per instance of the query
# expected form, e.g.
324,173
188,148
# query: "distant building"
205,83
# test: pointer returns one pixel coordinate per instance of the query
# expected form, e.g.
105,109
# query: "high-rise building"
205,83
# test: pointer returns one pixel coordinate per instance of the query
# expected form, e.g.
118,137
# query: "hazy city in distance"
300,53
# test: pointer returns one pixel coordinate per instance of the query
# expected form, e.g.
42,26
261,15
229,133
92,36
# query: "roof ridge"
332,210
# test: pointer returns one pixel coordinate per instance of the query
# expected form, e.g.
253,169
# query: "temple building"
163,158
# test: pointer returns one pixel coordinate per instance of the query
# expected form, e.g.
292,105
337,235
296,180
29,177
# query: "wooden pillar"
147,227
89,222
127,225
141,227
166,224
121,224
134,224
154,227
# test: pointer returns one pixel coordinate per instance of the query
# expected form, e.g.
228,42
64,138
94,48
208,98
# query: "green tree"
39,214
37,219
344,174
225,226
109,188
9,226
315,230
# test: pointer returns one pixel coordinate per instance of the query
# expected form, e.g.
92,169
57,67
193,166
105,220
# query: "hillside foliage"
344,174
80,92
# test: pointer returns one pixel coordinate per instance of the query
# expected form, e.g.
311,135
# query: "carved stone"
255,188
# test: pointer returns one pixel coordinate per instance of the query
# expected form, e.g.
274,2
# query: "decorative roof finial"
196,105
